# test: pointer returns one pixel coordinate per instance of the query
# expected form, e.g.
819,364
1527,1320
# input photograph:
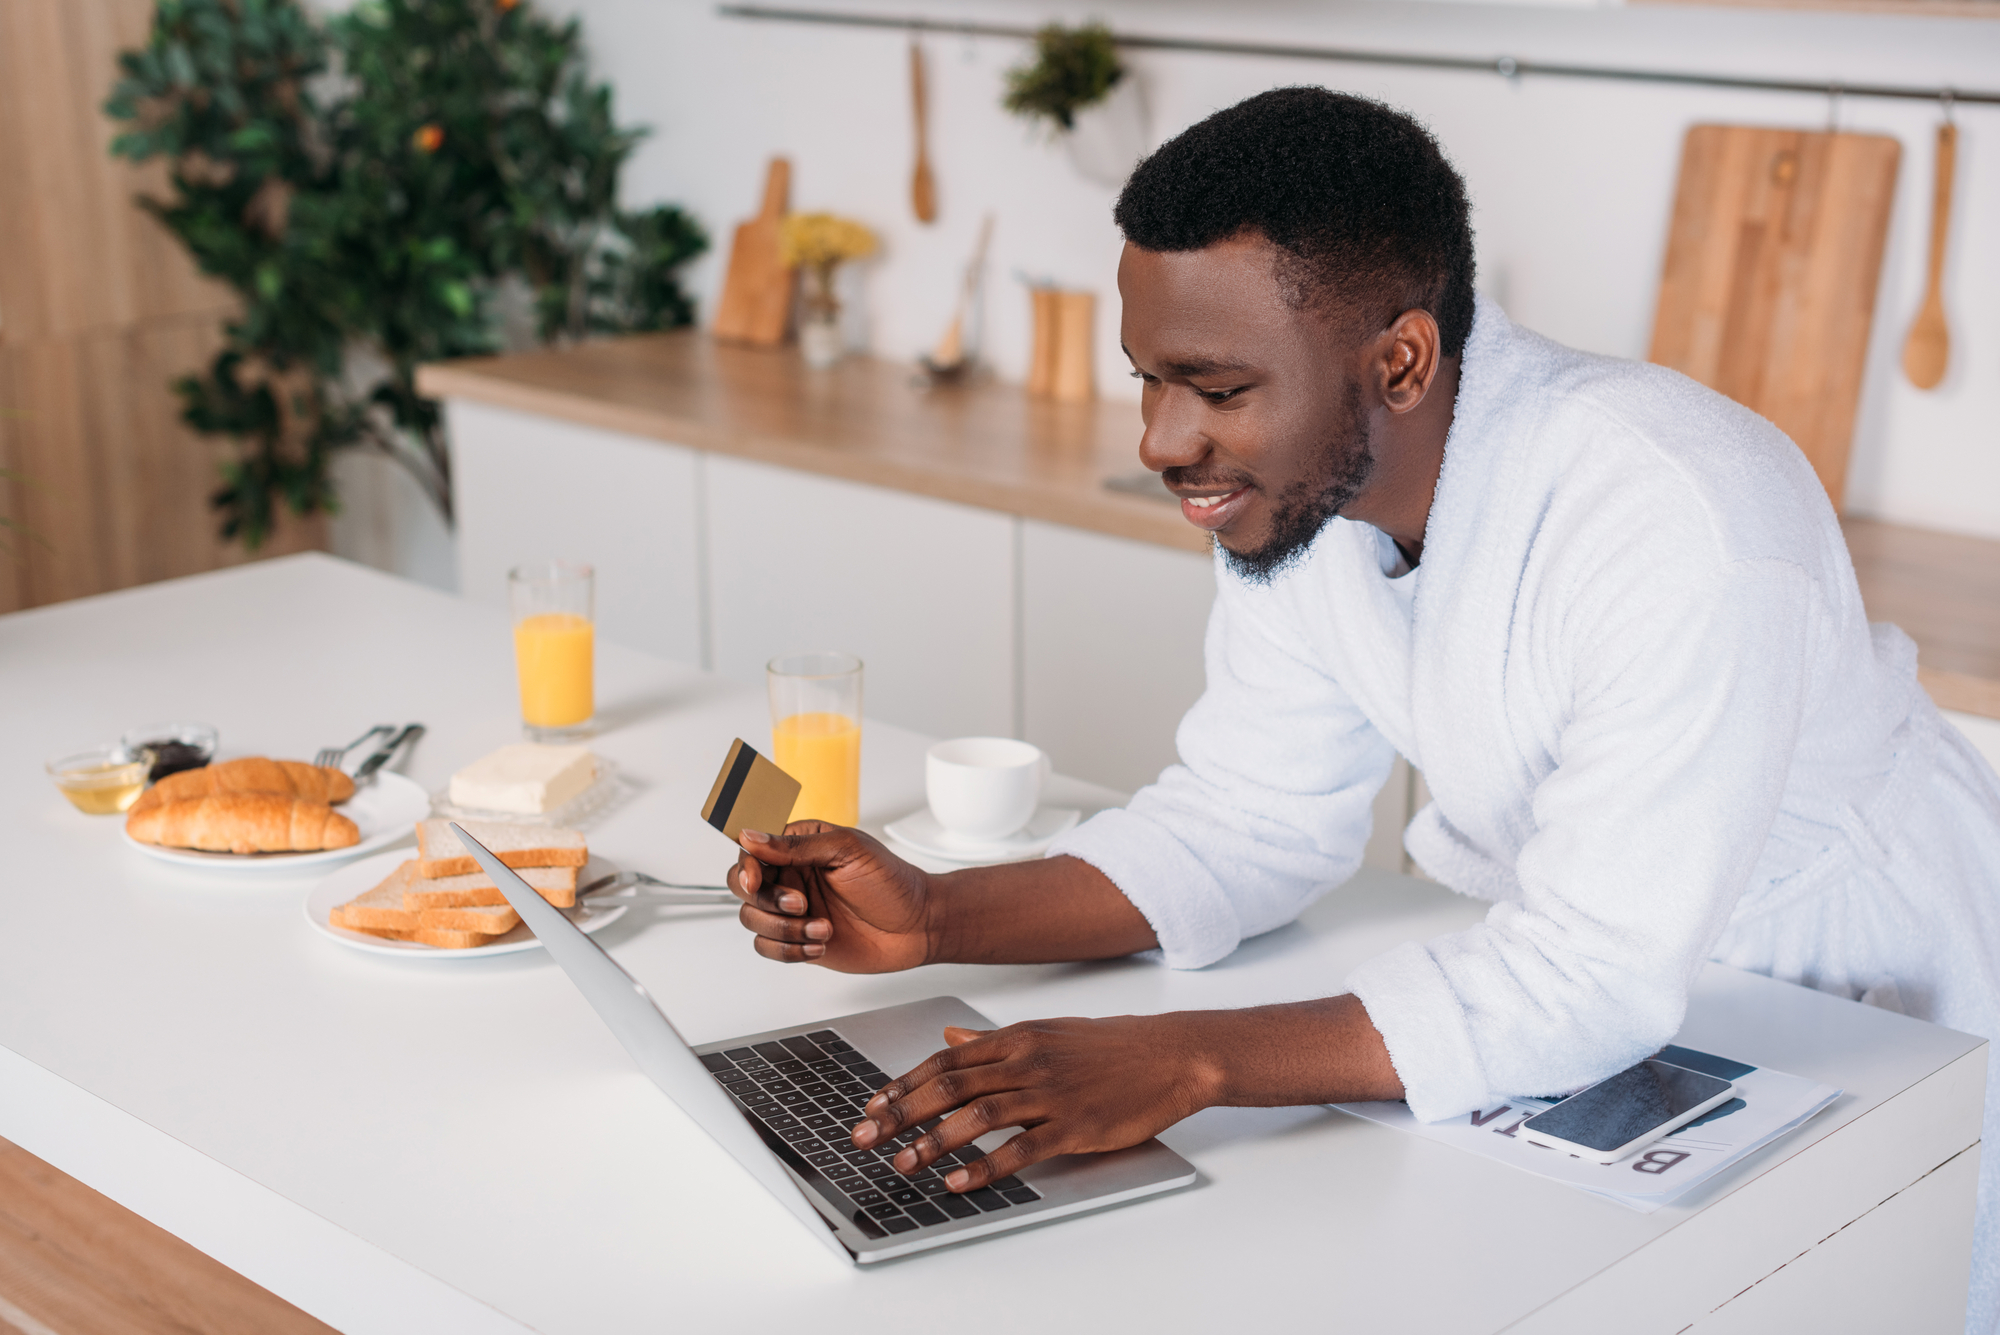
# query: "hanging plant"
367,186
1073,68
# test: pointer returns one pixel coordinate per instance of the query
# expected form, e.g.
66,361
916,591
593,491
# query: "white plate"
358,878
384,810
921,831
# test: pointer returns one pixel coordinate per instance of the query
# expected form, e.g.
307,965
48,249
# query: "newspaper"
1766,1105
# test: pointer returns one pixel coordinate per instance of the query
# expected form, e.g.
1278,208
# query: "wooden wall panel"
99,309
13,562
75,253
120,488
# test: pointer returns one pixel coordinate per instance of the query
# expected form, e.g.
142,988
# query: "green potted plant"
1077,87
375,185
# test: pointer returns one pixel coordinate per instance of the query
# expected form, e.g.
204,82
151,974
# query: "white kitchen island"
459,1145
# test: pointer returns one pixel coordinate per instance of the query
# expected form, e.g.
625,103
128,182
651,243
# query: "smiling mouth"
1214,510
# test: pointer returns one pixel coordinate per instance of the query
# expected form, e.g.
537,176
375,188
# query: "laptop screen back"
656,1047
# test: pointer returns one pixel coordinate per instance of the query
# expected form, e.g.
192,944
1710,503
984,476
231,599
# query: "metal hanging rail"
1507,67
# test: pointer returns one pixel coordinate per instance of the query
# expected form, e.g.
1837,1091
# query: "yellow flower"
822,240
428,138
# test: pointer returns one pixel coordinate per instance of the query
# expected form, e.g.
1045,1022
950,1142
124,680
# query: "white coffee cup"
983,789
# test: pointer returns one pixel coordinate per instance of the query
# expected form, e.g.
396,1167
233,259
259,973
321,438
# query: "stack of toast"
441,897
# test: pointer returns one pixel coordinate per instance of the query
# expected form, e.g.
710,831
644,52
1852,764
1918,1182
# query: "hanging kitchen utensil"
1768,290
949,355
1927,350
923,189
756,305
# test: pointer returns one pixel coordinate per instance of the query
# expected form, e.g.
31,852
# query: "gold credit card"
751,793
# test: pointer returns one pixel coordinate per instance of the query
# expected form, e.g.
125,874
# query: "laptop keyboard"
809,1091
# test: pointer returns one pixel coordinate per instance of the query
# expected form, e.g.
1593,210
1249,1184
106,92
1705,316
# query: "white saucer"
920,830
358,878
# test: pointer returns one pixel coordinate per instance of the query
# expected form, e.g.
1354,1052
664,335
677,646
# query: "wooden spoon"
1928,348
923,190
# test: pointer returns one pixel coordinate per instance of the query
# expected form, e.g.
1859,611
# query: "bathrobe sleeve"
1685,714
1270,806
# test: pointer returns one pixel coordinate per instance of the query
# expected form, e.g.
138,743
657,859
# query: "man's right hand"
837,898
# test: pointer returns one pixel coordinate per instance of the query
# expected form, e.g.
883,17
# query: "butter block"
525,778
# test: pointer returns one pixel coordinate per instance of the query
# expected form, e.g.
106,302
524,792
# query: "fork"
664,892
329,757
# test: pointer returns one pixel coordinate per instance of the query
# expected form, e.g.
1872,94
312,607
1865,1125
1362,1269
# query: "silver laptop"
782,1104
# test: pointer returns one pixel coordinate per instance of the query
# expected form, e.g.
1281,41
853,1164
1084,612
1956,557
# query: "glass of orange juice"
816,732
554,606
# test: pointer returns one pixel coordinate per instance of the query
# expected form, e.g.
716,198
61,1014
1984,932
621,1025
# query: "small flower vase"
820,339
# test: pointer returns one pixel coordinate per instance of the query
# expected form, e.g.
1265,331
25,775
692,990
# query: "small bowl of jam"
169,748
100,781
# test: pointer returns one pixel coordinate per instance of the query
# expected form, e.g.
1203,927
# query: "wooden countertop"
865,420
991,446
1944,590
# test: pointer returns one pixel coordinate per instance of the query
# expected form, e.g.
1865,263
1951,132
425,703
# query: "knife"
387,749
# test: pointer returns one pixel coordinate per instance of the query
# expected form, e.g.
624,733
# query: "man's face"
1253,410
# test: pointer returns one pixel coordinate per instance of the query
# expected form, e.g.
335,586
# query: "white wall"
1571,179
386,521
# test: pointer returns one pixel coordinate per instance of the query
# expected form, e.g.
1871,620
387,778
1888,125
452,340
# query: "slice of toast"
555,884
380,909
516,843
491,920
443,938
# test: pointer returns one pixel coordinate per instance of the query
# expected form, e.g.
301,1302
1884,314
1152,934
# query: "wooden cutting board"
756,305
1768,292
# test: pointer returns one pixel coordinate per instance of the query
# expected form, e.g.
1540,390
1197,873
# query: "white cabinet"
530,488
922,591
1111,650
1983,733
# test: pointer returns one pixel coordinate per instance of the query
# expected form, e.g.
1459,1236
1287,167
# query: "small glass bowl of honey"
100,781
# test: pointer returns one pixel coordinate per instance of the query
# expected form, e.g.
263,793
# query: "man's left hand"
1083,1086
1075,1086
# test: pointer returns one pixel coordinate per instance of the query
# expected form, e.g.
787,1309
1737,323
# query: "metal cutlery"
652,890
329,757
389,748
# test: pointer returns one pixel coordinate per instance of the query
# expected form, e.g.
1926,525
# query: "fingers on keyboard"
808,1090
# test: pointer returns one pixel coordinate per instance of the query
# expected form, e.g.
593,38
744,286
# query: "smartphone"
1616,1117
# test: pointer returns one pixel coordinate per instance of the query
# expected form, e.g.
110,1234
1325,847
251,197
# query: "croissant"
251,774
243,823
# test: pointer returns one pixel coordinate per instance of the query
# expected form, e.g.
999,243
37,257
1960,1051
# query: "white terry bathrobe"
1657,728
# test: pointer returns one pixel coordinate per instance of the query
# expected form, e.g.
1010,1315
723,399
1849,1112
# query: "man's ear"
1409,353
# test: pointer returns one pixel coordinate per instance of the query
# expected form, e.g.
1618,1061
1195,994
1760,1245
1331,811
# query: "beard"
1304,508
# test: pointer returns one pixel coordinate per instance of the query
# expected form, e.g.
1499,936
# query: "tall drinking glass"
816,732
555,609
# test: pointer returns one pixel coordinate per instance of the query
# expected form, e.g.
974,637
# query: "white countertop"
461,1145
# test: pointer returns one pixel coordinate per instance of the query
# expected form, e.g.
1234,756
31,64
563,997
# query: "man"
1608,613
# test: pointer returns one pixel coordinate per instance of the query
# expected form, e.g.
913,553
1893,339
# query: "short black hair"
1358,195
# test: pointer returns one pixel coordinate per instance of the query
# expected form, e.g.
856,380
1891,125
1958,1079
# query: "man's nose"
1174,437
